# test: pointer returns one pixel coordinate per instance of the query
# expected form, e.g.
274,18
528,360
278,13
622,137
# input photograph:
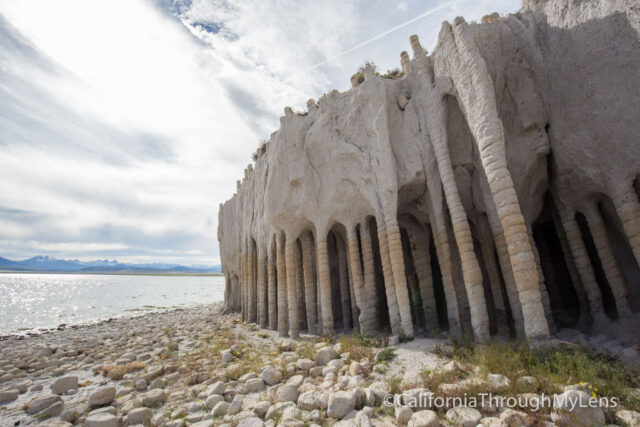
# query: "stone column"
583,265
608,260
422,263
493,273
405,61
308,269
369,321
628,208
243,285
510,284
399,277
443,252
292,288
355,311
389,287
283,315
476,94
544,294
324,284
302,309
252,283
344,283
357,283
262,294
435,109
573,272
273,305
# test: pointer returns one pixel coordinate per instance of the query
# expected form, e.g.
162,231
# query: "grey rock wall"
491,188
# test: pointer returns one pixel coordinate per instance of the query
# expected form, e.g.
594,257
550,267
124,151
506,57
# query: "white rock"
43,402
324,355
403,414
103,396
424,418
247,377
253,385
308,401
261,408
380,389
153,397
336,363
464,416
220,409
251,422
296,380
305,364
103,419
8,395
341,403
216,388
139,416
64,384
572,408
213,400
627,418
497,382
235,405
287,393
355,368
512,417
271,375
277,410
493,422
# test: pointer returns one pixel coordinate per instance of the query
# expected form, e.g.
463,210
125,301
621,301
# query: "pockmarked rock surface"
492,186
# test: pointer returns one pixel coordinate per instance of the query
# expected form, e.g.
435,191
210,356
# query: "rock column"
608,260
324,284
244,283
507,274
369,321
292,288
308,269
583,264
443,252
344,283
283,315
252,283
435,108
399,277
273,305
405,61
477,96
262,292
422,264
628,208
357,283
392,303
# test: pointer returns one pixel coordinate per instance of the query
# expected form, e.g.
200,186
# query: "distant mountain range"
48,264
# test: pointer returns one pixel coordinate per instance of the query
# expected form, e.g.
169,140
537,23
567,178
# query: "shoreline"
198,367
34,332
109,273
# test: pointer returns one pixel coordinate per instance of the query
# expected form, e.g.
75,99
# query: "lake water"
32,301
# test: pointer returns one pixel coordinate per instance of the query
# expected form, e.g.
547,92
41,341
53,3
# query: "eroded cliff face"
492,188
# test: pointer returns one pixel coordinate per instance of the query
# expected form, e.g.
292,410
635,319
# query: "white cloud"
125,123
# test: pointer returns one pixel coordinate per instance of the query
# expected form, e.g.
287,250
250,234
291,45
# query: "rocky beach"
199,367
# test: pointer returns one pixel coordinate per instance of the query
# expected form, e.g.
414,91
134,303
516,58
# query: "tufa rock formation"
493,188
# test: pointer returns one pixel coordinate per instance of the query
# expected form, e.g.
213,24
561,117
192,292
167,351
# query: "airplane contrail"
379,36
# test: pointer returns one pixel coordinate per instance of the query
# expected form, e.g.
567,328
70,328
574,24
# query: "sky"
125,123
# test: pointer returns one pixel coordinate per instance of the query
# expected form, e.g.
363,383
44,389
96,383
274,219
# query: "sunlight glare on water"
31,301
